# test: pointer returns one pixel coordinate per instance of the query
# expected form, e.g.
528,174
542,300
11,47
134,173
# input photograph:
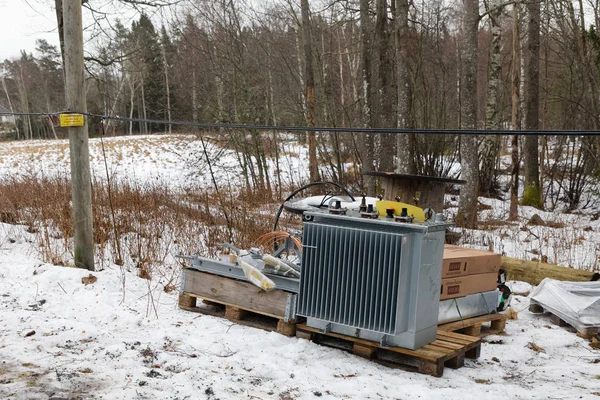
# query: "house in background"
4,118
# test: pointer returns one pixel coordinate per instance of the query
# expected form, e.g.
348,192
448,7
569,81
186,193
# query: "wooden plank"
423,352
457,337
248,318
236,293
534,272
450,349
453,326
447,347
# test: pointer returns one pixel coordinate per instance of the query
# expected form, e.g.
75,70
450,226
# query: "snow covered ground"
61,339
123,337
177,162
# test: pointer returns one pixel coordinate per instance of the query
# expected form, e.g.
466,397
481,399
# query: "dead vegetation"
534,272
147,226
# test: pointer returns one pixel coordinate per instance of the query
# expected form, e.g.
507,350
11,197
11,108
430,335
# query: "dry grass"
151,223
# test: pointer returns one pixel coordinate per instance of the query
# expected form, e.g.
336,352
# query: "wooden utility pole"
81,187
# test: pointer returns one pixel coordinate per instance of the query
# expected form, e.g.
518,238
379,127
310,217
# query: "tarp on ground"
577,303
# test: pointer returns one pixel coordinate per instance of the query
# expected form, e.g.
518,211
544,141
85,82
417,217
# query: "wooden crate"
475,326
450,350
238,301
586,333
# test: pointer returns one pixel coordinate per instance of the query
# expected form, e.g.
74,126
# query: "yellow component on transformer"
415,211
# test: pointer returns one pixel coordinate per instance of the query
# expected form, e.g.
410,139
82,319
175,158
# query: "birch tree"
491,143
467,210
368,146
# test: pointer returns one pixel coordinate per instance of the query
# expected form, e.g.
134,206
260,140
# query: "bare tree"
516,118
467,211
310,91
368,146
488,183
532,196
405,143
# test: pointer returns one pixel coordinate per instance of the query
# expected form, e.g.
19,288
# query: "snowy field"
124,337
178,162
61,339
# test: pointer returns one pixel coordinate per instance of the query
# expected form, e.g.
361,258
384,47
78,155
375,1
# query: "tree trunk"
27,129
144,125
513,213
488,184
532,195
404,145
467,210
166,69
385,101
61,33
131,103
310,92
10,104
368,145
195,97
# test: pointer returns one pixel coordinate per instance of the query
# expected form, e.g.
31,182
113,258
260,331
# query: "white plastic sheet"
577,303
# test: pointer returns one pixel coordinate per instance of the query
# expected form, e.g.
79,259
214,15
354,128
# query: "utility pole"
81,187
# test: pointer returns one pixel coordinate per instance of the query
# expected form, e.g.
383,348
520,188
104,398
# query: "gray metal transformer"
375,279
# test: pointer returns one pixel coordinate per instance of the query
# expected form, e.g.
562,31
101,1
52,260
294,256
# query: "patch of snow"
104,340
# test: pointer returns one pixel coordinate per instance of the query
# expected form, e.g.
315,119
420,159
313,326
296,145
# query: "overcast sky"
24,21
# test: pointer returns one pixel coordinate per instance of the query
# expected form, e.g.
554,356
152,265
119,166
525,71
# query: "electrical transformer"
373,278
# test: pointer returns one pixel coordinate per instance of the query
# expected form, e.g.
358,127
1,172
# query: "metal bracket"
182,283
290,307
326,328
384,342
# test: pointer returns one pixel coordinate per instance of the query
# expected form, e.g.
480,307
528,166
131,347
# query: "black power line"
329,129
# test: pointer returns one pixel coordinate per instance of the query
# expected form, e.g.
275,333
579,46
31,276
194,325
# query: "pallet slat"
586,333
450,349
472,326
244,317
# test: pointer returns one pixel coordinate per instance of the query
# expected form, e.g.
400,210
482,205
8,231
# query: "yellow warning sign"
71,120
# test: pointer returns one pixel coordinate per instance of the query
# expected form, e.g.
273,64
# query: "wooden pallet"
586,333
475,326
238,301
450,350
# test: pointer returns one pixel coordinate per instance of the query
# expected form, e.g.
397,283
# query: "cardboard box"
460,261
465,285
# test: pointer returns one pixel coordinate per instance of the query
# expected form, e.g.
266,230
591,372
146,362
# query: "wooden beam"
534,272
